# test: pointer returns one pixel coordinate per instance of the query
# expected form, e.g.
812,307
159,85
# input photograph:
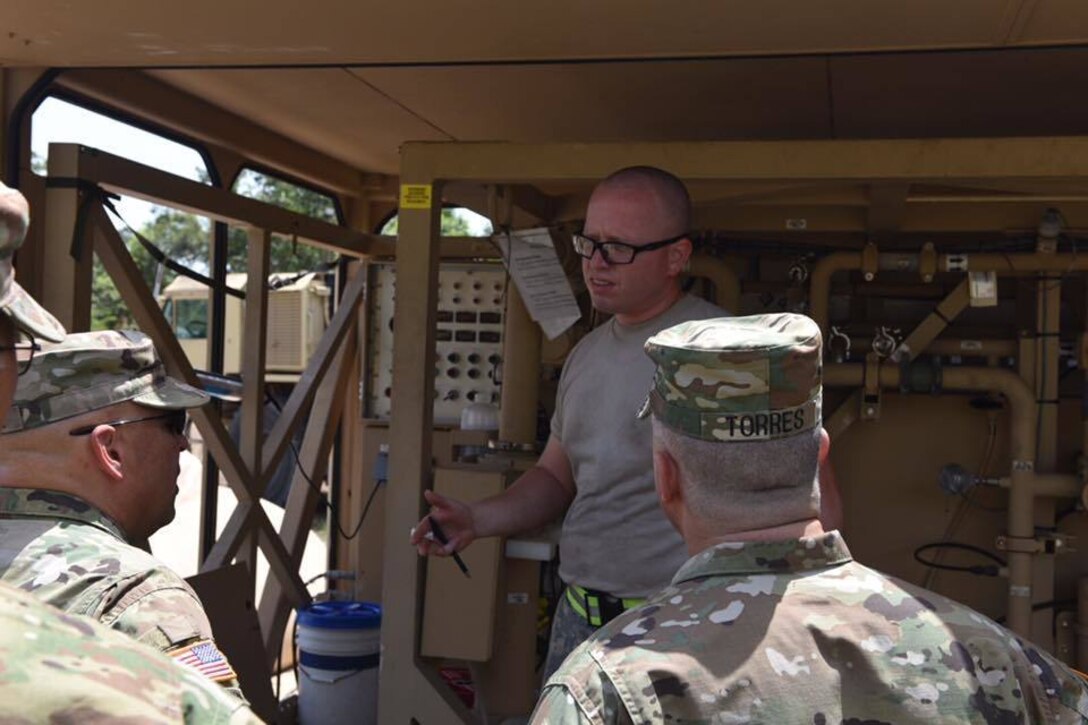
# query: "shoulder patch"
205,658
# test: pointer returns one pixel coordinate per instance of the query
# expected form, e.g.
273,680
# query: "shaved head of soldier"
644,213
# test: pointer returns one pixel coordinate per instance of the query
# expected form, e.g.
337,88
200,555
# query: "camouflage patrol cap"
24,312
92,370
737,378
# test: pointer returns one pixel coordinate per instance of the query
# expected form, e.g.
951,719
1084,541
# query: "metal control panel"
468,338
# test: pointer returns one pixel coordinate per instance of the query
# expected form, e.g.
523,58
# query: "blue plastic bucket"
338,654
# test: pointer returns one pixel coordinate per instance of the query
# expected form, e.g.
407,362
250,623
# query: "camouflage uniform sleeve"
63,667
558,705
163,617
166,617
582,693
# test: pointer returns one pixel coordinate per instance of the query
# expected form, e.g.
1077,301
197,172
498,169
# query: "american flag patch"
205,658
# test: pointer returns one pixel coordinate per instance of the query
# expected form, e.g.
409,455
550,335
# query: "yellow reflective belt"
588,606
580,602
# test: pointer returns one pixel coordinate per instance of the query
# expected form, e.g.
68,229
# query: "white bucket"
338,650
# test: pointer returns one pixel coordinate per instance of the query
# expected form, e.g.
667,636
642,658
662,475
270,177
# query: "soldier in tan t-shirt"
616,547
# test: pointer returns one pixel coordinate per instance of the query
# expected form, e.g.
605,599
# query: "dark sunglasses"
175,420
617,252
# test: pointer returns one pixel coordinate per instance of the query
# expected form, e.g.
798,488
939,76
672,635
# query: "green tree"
452,225
286,255
185,238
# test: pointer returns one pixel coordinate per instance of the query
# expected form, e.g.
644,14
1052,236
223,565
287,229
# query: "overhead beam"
887,207
137,93
934,160
530,205
920,217
145,182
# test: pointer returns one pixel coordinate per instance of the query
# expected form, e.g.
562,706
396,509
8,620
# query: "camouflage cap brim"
25,313
87,371
171,394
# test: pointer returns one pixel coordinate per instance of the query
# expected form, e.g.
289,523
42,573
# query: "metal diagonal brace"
302,499
343,320
110,248
115,257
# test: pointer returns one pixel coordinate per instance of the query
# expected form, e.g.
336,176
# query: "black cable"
1040,606
160,256
979,570
334,513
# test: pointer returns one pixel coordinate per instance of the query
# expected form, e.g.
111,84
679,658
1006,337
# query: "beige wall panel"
888,475
327,109
209,32
617,101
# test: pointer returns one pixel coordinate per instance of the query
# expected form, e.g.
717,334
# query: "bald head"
669,204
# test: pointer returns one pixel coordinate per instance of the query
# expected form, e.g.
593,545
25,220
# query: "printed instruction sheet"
530,257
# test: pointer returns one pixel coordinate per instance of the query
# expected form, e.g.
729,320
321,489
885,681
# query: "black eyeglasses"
24,352
175,420
617,252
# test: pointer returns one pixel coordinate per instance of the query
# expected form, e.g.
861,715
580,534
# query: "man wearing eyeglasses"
58,667
616,546
88,471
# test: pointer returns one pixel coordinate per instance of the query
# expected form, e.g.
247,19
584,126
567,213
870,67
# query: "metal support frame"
115,257
430,164
303,497
255,337
246,472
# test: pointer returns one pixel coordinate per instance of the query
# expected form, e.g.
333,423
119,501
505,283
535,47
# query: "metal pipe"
1022,451
1014,263
820,291
726,283
1053,485
949,347
1021,400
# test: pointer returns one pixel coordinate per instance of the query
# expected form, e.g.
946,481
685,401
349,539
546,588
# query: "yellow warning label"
415,196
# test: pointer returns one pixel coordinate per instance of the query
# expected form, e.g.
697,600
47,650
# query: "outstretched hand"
455,518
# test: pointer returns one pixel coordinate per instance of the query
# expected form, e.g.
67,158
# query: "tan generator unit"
297,317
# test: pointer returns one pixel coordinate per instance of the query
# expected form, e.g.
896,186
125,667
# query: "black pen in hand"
441,536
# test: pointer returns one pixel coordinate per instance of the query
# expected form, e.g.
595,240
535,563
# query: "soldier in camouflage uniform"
56,667
88,469
59,667
20,313
771,620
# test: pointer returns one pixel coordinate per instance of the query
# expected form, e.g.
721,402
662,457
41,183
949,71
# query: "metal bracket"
1065,636
870,393
1049,543
927,262
870,261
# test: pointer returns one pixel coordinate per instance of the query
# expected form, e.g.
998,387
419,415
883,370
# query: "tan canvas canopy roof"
354,81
